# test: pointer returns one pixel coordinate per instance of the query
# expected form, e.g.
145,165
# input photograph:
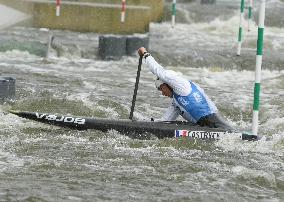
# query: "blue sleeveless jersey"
195,105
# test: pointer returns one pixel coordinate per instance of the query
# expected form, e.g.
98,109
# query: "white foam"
221,32
9,161
265,145
249,173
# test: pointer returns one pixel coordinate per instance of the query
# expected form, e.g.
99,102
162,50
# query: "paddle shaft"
136,88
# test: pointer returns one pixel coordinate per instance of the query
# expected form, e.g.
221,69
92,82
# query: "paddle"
136,88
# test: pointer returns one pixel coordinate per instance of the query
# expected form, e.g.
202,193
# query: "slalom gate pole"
241,27
50,40
123,10
250,14
259,51
58,7
173,13
136,88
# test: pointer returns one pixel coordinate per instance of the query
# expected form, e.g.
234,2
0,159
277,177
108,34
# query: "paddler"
189,99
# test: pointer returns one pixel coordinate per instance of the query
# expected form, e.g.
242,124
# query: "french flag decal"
181,133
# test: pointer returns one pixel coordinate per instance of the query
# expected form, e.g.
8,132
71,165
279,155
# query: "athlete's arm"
171,114
180,85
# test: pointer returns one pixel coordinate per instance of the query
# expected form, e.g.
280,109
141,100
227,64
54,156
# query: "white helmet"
158,83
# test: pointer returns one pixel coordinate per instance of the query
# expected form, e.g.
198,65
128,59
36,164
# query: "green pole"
173,13
258,67
241,27
249,14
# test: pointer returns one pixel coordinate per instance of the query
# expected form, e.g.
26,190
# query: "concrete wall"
91,18
101,16
156,6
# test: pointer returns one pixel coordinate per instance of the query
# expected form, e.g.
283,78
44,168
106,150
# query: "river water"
45,163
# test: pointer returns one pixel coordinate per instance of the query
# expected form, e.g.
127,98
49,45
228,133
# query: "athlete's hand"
141,51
